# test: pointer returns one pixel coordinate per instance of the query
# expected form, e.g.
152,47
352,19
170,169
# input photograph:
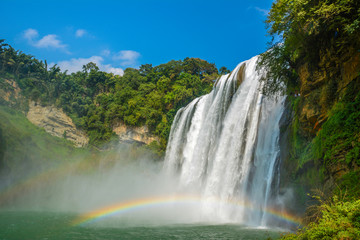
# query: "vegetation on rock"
339,220
305,32
314,58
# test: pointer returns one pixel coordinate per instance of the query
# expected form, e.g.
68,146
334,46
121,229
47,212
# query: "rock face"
322,85
13,92
10,94
56,122
133,134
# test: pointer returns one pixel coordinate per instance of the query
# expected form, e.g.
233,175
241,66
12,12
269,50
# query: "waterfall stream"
223,146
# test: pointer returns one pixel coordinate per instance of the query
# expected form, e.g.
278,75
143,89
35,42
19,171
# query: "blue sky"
121,34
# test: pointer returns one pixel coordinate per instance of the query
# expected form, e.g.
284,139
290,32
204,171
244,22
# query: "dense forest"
94,99
314,58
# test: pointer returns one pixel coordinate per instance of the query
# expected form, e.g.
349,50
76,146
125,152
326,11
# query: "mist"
88,183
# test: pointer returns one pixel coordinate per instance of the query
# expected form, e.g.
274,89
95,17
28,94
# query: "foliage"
315,34
350,182
302,31
95,100
310,25
334,150
338,140
281,76
340,220
224,70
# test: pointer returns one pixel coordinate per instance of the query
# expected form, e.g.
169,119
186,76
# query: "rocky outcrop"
133,134
56,122
314,160
10,94
321,86
13,92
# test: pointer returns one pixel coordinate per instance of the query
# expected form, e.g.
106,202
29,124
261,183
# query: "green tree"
223,70
302,31
95,100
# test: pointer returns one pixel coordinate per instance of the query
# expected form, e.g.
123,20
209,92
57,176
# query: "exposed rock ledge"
133,134
56,122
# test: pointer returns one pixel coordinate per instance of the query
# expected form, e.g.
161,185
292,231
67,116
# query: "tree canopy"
302,31
95,100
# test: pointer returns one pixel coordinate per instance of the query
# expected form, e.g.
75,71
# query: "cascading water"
224,146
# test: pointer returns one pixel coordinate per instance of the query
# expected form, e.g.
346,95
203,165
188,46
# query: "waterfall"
223,146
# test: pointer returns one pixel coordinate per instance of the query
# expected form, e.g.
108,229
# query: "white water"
224,146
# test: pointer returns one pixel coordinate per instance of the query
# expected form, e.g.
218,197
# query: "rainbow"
136,204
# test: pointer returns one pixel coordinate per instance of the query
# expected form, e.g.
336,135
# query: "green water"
51,226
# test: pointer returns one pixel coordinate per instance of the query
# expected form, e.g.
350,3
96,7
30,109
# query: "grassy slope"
23,145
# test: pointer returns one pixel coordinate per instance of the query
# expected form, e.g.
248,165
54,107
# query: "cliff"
320,137
52,119
320,147
322,86
132,134
56,122
10,95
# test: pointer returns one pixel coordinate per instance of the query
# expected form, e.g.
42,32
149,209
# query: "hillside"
98,102
27,149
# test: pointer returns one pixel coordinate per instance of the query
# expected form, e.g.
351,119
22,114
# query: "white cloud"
105,52
80,33
48,41
30,34
127,57
76,64
262,11
117,71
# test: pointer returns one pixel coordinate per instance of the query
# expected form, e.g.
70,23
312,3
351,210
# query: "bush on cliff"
339,220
